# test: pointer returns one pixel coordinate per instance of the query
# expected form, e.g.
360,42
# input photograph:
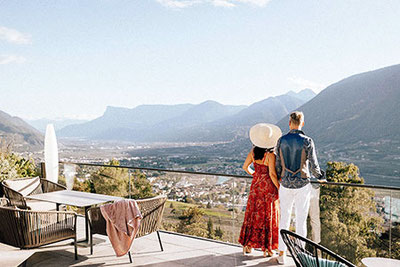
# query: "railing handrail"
223,174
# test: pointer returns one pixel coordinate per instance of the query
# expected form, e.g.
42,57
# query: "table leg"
57,209
86,224
85,242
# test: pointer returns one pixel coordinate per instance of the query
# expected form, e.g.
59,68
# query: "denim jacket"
295,158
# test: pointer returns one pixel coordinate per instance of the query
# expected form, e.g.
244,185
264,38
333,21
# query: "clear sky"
74,58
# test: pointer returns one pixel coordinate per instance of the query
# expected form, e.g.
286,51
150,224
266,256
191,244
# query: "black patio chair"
307,253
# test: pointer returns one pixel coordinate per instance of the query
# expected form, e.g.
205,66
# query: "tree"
111,180
192,222
85,186
115,181
218,232
13,166
141,186
350,223
210,229
394,244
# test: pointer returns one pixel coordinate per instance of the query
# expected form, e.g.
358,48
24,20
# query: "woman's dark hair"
258,152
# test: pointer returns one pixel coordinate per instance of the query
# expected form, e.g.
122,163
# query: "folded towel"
123,221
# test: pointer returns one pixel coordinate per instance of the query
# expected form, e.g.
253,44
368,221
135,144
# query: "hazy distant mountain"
269,110
207,111
116,121
207,121
235,126
41,124
17,132
305,95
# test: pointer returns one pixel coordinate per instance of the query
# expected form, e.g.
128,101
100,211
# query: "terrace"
223,199
179,250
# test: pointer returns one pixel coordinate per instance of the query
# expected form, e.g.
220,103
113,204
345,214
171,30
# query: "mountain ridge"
15,131
183,122
345,110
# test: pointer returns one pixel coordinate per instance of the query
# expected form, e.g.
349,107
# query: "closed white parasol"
51,154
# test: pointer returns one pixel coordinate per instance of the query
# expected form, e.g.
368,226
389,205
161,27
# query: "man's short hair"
296,117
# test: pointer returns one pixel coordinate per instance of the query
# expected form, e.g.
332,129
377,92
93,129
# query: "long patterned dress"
260,227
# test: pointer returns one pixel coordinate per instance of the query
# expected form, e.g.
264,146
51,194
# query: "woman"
260,227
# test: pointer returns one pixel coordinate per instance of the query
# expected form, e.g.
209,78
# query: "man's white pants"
301,199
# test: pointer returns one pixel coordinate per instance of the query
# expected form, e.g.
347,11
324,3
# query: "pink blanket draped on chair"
123,221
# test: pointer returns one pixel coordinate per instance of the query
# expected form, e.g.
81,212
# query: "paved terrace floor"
178,251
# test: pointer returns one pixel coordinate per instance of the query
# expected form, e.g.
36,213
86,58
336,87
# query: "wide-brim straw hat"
265,135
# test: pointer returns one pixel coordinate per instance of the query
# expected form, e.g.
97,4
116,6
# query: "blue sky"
73,58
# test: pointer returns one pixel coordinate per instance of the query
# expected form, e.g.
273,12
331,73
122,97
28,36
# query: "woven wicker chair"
307,253
27,229
152,210
16,199
4,202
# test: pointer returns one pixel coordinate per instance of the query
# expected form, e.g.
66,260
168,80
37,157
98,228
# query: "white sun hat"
265,135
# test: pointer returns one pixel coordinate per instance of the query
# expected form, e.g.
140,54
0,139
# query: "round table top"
380,262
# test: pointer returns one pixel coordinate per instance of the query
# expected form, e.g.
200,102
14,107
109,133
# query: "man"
295,158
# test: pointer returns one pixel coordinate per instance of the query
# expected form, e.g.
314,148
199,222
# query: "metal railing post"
233,210
129,173
43,169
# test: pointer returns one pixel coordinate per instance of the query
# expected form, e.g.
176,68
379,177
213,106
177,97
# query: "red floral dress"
260,227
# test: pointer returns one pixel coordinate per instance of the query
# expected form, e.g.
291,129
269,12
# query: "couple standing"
281,178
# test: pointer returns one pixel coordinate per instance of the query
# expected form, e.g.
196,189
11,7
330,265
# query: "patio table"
76,199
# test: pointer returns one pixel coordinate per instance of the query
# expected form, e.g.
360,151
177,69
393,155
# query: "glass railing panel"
199,205
240,193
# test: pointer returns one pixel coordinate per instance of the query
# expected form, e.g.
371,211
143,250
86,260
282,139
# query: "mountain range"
59,123
364,107
207,121
19,134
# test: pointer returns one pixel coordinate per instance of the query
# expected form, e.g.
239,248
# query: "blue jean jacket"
295,158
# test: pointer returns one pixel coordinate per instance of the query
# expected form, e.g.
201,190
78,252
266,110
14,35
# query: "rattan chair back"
16,199
151,209
27,229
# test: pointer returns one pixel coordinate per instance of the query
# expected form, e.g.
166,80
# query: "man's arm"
312,158
278,163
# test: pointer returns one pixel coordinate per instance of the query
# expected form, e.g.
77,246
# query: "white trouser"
301,199
314,215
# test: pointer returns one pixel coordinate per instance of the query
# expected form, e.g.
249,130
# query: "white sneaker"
281,259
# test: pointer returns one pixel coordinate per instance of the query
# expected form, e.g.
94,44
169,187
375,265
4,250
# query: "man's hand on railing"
322,178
